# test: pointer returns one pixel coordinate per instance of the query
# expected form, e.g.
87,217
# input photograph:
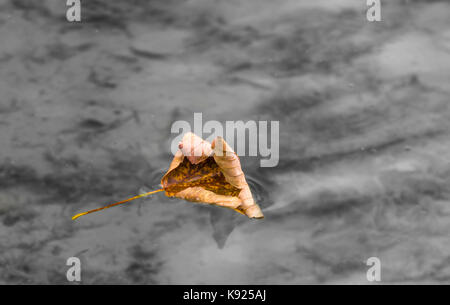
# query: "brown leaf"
201,172
211,174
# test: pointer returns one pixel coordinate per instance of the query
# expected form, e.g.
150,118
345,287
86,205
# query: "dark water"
85,117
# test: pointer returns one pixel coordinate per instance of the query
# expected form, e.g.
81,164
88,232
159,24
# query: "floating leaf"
206,173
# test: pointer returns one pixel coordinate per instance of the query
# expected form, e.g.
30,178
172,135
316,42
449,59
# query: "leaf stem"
117,203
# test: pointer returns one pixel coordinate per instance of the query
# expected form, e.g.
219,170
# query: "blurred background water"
85,116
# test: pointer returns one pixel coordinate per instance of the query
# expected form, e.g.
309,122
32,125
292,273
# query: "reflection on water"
259,191
223,220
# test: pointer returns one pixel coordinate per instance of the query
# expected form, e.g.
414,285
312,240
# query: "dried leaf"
210,174
207,173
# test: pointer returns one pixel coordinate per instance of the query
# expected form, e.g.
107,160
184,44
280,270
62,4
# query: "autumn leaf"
205,173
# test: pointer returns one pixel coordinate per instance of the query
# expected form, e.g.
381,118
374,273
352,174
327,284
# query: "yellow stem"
117,203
